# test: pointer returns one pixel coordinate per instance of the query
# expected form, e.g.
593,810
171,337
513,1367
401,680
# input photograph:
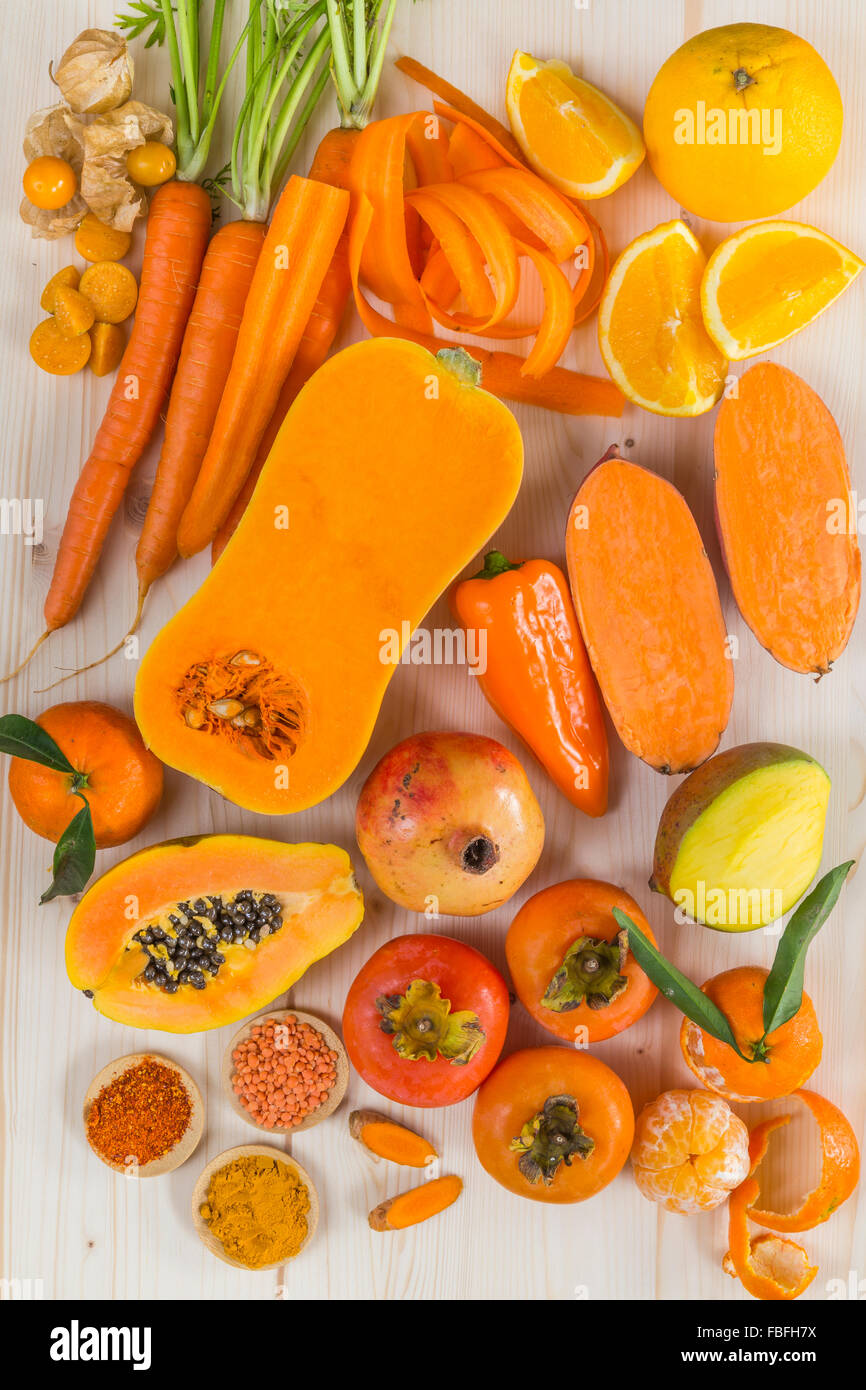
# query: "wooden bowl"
188,1141
336,1093
199,1195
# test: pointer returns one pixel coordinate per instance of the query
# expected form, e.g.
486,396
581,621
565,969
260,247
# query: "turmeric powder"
257,1208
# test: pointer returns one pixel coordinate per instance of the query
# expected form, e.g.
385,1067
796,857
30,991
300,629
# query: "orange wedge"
650,329
766,282
570,132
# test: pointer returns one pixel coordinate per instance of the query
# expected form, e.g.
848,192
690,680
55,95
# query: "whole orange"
783,1061
120,779
742,122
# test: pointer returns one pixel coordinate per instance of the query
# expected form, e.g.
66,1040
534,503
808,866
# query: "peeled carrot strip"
495,242
377,172
469,153
439,282
460,102
555,222
464,256
568,393
496,141
601,264
840,1170
428,147
558,320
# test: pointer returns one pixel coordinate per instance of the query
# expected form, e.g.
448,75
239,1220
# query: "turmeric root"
385,1138
416,1205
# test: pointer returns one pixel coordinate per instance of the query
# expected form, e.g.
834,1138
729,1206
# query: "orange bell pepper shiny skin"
536,673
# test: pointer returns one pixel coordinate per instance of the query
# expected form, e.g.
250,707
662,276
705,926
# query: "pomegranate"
448,823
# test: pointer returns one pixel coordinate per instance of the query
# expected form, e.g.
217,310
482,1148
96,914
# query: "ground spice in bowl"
257,1208
139,1116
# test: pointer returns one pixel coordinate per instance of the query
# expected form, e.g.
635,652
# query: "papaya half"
391,470
194,933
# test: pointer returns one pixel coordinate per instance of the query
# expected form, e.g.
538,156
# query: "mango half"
740,840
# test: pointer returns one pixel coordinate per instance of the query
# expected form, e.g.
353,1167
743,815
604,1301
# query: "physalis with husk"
93,130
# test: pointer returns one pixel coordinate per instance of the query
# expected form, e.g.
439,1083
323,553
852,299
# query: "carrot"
461,103
568,393
177,232
295,257
330,165
202,371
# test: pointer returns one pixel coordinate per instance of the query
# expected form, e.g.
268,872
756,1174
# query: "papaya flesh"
285,907
391,470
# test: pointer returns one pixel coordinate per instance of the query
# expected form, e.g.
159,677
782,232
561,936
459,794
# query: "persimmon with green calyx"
740,839
425,1020
749,1034
196,933
553,1124
391,470
571,964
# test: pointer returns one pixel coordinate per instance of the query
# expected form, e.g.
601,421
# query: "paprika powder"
140,1115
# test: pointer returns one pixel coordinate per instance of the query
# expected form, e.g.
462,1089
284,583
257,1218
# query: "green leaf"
74,857
677,987
144,15
783,990
21,738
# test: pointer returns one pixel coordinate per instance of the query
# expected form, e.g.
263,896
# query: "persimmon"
117,776
570,962
690,1151
771,1066
553,1124
425,1020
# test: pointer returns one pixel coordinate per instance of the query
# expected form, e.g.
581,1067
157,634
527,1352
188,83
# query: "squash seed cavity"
189,945
243,699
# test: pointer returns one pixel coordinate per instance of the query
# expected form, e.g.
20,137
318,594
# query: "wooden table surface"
69,1222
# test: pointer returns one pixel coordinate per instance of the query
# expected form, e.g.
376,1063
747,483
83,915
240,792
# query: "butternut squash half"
390,472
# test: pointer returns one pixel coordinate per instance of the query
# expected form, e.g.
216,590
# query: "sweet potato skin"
649,611
781,473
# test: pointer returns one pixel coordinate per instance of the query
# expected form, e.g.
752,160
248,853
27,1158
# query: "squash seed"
245,658
226,709
248,718
194,718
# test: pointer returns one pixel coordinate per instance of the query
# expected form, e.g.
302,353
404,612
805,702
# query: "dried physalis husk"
95,73
53,130
105,185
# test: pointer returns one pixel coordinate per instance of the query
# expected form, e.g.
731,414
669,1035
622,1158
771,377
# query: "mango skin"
696,794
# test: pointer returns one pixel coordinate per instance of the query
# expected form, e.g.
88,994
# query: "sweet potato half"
784,518
649,611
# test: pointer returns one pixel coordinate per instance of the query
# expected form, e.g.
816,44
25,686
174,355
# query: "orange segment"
569,131
690,1150
650,329
766,282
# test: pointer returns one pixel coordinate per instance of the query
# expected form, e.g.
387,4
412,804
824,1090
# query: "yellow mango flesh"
755,849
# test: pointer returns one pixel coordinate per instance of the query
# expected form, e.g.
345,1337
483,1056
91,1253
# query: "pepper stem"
591,970
495,563
422,1026
553,1136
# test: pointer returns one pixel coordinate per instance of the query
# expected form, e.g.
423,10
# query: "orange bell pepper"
535,671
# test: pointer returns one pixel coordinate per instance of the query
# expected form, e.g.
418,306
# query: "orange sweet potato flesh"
649,611
782,490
